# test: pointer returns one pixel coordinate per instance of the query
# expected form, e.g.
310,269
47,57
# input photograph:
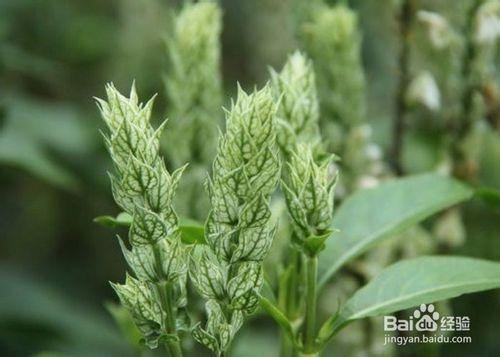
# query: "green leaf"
191,231
315,244
123,219
417,281
34,134
267,291
489,196
278,316
126,324
373,215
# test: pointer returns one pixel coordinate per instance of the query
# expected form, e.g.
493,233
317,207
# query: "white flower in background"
373,152
424,90
488,23
368,181
439,30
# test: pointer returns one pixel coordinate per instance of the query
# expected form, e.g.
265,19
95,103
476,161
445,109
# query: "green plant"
224,259
309,196
226,266
362,226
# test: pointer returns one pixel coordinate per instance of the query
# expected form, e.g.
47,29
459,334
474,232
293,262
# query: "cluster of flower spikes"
143,188
238,232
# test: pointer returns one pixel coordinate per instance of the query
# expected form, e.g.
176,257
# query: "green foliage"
226,266
53,54
122,219
238,231
373,215
34,147
416,281
191,231
489,196
73,327
126,325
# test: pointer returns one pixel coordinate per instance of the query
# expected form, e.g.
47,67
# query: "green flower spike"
194,95
298,110
143,188
246,170
308,191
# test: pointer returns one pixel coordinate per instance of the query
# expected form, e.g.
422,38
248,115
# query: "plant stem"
165,291
288,297
293,284
310,318
286,348
461,167
399,125
171,326
307,354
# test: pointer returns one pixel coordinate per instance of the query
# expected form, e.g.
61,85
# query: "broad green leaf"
372,215
417,281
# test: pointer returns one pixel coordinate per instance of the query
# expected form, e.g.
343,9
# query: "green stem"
310,318
287,293
166,297
293,284
461,167
308,354
288,296
165,293
399,125
286,347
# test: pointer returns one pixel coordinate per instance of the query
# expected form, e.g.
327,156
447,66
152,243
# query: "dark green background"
55,55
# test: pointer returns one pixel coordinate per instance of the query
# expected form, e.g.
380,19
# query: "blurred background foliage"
55,55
